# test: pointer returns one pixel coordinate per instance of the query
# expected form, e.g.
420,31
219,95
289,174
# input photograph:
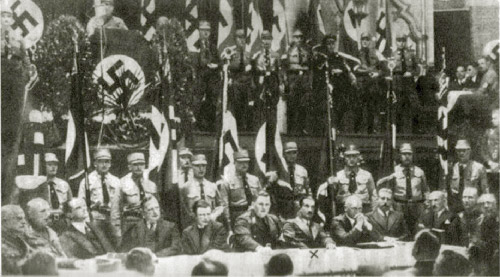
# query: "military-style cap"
199,159
204,25
462,144
5,6
352,150
240,33
401,36
136,157
50,157
241,156
266,35
298,33
103,2
290,147
102,154
405,148
366,35
185,152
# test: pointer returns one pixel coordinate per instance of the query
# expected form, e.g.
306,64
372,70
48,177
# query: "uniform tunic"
100,211
365,188
234,199
191,193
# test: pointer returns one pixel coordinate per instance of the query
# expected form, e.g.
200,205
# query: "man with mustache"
353,226
439,219
465,173
257,230
15,250
302,232
385,220
42,237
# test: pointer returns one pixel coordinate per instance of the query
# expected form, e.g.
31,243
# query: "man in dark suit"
439,219
459,82
353,227
469,218
205,233
83,239
257,230
302,232
159,235
472,81
385,220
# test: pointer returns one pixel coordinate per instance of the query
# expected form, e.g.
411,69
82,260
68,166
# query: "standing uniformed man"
102,188
199,188
299,82
54,190
185,170
326,58
293,186
134,188
353,180
104,17
465,173
238,190
206,62
241,82
409,186
404,84
369,79
269,84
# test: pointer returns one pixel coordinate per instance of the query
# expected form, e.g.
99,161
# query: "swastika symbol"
21,18
126,77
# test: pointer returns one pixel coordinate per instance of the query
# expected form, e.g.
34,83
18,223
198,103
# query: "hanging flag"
270,153
317,27
381,31
255,28
279,28
226,24
159,140
191,25
148,19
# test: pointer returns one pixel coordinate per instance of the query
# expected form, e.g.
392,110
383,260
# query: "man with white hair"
353,226
489,229
83,239
439,219
14,247
42,236
134,188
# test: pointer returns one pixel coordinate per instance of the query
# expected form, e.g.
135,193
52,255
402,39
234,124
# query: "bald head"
13,219
38,211
353,205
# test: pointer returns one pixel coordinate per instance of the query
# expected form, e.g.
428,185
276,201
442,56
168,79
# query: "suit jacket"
468,227
446,223
392,226
296,234
167,241
214,237
15,250
249,234
472,84
345,234
85,246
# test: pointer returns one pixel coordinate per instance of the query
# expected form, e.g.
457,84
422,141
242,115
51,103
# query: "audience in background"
425,251
451,263
209,267
40,264
279,265
141,260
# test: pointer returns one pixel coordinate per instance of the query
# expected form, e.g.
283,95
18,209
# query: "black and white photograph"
250,137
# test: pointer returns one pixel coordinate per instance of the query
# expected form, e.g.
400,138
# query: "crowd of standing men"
241,212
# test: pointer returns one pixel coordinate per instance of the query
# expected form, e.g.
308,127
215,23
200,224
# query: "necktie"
352,182
367,56
142,194
461,171
54,200
291,170
309,223
403,61
105,193
202,191
248,192
409,193
200,232
242,59
186,174
300,55
268,60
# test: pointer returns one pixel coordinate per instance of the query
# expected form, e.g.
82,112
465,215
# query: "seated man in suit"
83,239
439,219
15,250
159,235
469,219
353,227
302,232
385,220
257,230
205,233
